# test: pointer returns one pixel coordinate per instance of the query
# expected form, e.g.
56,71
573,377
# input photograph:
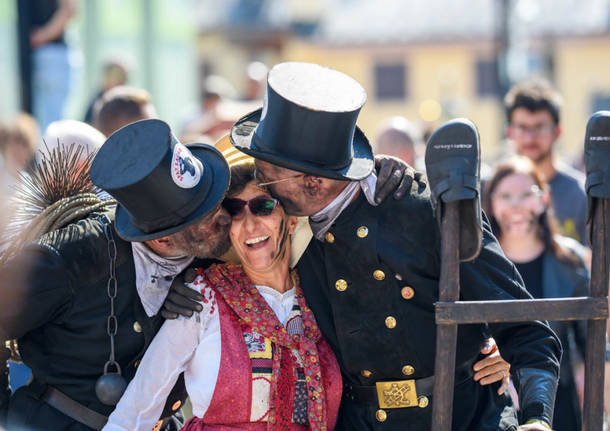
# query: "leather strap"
423,386
74,409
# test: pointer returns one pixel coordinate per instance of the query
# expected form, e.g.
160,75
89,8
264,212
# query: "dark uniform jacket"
372,286
55,302
564,279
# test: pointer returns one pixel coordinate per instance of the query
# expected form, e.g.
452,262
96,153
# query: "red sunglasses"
259,206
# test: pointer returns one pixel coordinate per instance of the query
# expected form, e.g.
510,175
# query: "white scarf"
154,275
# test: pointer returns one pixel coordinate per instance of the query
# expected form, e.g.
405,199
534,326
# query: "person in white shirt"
254,355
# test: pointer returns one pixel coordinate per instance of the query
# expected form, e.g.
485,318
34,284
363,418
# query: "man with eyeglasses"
533,111
371,273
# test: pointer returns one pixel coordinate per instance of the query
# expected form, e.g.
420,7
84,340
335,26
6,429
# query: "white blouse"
189,345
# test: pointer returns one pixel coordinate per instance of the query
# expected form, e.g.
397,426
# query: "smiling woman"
254,336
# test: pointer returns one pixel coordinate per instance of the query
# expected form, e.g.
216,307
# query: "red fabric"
241,303
197,424
232,399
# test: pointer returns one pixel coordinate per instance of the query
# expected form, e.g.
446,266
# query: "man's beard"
197,244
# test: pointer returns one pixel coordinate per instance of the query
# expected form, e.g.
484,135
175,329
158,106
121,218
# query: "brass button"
378,274
398,277
366,373
341,285
329,237
381,415
422,402
390,322
407,292
407,370
176,405
137,327
158,425
136,364
362,232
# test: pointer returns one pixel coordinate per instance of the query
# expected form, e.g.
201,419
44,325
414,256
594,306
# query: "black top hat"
308,123
161,185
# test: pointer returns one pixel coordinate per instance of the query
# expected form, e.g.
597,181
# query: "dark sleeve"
579,327
35,288
5,391
531,348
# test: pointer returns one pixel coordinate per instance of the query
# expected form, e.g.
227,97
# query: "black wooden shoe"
597,161
453,159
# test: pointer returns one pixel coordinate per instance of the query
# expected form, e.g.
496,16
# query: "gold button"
407,370
407,292
137,327
329,237
176,405
390,322
378,274
136,364
398,277
422,402
158,425
366,373
362,232
381,415
341,285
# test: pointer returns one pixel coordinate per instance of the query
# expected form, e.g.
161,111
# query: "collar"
321,221
154,275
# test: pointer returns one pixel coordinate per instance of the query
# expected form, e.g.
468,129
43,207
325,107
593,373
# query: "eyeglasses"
294,177
520,130
259,206
524,196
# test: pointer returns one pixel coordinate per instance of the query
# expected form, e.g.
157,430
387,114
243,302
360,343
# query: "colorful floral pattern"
243,298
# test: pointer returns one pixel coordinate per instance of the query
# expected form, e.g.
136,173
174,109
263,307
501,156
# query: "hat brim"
361,166
211,158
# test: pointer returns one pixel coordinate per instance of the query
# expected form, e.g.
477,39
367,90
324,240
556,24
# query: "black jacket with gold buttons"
372,285
55,302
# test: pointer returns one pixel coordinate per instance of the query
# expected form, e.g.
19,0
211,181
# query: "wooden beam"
446,335
460,312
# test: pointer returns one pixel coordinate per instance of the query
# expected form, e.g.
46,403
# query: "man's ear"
557,132
161,246
312,180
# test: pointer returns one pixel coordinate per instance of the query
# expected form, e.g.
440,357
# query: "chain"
112,325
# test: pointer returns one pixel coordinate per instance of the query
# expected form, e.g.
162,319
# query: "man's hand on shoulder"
394,176
181,299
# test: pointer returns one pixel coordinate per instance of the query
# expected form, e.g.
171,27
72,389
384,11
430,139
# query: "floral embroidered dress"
253,359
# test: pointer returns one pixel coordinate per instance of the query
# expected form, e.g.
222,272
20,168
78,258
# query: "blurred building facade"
429,60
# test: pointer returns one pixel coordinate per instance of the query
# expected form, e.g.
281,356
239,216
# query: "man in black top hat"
86,310
371,276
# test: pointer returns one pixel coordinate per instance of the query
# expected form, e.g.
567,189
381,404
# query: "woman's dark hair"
242,173
547,225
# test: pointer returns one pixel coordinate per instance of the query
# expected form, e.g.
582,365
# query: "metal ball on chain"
110,387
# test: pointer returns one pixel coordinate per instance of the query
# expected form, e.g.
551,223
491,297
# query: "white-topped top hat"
308,123
161,185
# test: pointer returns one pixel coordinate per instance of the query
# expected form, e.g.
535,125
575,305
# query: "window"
486,78
390,81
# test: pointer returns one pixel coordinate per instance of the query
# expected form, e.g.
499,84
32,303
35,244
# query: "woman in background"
517,202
